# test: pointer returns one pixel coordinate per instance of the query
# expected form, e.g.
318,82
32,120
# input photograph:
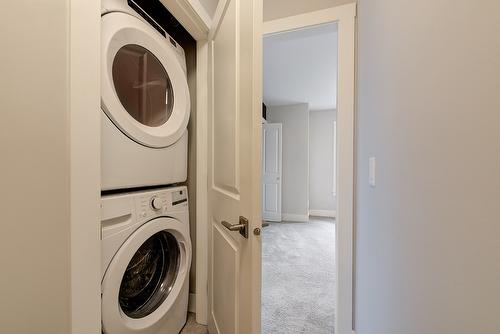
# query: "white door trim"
85,169
345,17
332,14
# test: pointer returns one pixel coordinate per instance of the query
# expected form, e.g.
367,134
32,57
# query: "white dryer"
146,255
144,100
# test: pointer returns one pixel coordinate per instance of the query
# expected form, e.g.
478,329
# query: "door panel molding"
228,303
226,114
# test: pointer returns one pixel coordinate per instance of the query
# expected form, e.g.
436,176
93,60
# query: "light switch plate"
372,164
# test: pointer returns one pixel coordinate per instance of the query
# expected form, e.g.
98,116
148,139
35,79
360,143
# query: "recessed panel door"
271,172
234,138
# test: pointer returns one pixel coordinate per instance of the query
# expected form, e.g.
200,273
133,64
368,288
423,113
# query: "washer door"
143,86
145,277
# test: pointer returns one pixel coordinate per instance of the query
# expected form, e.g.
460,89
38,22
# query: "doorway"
238,260
298,175
312,242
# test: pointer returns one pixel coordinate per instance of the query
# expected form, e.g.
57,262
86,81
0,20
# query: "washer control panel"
179,198
156,203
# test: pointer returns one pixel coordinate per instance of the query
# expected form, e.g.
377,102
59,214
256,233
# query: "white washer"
146,255
144,102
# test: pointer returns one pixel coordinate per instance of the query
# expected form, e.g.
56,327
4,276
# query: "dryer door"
143,85
145,277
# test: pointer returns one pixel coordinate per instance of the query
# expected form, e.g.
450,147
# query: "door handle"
241,227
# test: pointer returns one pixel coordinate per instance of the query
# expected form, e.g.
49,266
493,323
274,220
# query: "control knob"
156,203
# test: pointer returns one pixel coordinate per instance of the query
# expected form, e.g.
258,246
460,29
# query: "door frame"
344,16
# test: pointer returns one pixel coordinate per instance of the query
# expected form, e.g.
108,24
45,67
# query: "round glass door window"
142,85
150,275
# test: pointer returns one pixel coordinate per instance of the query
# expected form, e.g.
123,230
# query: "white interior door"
234,138
271,171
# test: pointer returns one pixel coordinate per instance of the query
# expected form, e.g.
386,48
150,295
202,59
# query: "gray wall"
275,9
295,137
34,182
428,236
321,196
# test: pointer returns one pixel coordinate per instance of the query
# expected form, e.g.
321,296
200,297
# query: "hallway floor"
298,277
192,327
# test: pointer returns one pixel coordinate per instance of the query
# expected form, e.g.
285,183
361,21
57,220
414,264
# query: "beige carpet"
298,277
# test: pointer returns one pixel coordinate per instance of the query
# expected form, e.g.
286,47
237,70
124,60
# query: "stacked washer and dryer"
146,247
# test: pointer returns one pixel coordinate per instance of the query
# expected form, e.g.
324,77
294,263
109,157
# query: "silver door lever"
242,227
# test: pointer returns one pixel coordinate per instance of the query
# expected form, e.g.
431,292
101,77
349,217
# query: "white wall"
35,179
295,180
428,236
275,9
301,65
321,158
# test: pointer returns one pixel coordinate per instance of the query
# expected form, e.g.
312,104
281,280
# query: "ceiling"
301,67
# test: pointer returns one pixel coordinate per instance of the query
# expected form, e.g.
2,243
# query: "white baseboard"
192,303
323,213
291,217
272,217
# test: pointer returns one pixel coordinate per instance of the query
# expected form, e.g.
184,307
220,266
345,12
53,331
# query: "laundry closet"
148,164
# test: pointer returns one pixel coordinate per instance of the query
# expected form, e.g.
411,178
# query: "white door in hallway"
271,171
234,168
